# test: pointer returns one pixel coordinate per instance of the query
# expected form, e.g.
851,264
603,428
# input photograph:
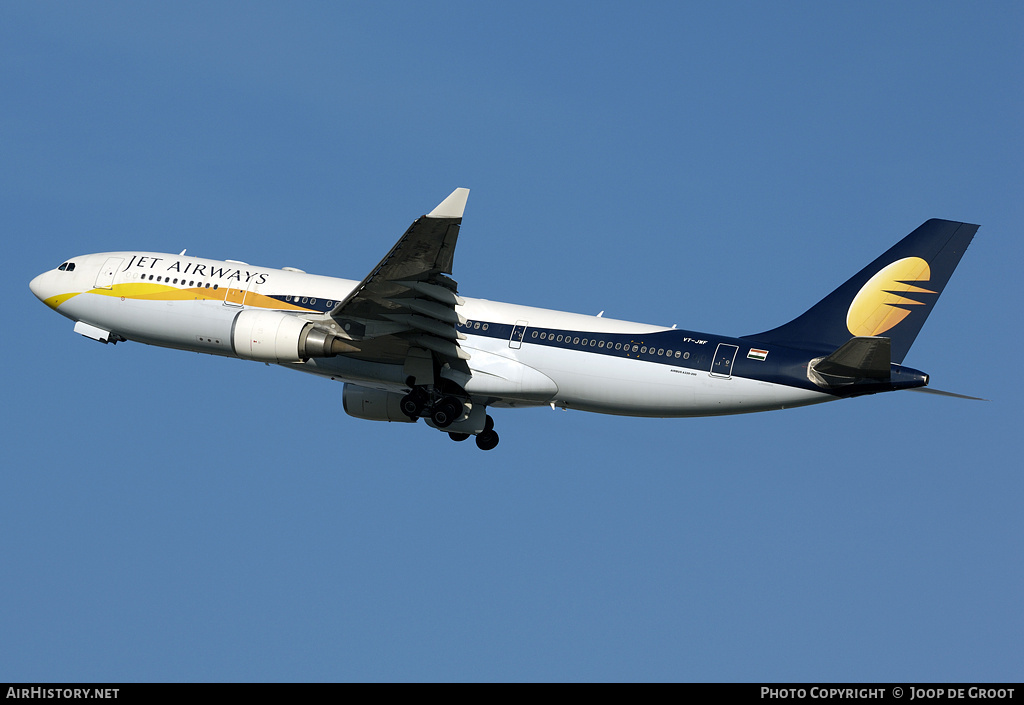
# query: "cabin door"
724,357
518,332
105,279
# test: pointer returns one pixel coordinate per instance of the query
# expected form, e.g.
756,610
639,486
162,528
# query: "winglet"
451,207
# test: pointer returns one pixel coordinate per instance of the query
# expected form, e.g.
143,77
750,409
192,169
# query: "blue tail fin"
891,297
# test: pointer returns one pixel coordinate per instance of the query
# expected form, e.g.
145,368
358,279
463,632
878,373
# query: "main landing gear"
487,439
445,411
415,402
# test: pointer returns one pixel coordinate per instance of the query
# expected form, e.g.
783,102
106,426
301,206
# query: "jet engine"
373,404
271,336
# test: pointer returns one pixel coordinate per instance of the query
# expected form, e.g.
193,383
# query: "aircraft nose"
44,288
38,287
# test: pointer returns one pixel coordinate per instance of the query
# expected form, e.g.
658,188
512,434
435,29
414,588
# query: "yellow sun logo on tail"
879,305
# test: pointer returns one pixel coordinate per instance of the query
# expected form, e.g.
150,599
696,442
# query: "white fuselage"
191,304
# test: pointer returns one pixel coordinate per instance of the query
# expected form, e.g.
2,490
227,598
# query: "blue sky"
170,516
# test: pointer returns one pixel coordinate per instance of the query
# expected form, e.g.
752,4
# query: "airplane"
408,346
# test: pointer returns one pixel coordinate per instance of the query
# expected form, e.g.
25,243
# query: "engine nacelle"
271,336
373,404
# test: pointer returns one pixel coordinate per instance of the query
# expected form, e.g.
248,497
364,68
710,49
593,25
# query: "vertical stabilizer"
892,296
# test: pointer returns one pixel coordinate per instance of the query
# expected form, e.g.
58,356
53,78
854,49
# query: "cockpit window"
67,267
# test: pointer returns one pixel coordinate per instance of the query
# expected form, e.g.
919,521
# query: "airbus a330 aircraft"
408,346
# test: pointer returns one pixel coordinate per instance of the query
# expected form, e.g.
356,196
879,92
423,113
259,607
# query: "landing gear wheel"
487,440
447,412
458,437
413,403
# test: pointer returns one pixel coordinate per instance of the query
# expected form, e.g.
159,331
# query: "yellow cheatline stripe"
55,301
254,299
155,292
160,292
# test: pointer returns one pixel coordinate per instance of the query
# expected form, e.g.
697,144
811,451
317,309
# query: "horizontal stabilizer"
941,393
861,357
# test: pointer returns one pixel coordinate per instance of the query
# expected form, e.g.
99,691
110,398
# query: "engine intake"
270,336
373,404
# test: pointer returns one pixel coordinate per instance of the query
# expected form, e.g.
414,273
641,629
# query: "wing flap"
441,312
428,325
440,294
445,348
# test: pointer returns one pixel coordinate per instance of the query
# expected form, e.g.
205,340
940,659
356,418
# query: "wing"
407,302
